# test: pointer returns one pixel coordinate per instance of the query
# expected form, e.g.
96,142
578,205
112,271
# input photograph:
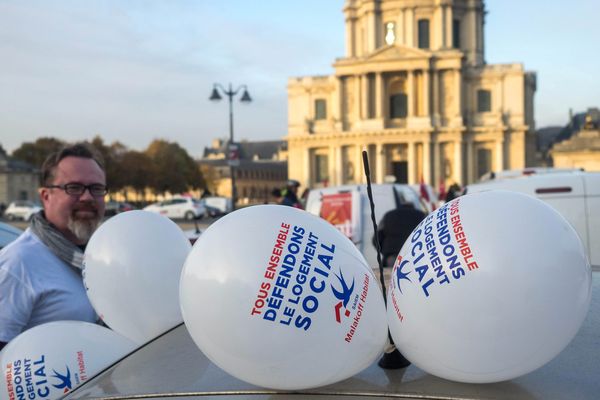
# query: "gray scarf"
56,242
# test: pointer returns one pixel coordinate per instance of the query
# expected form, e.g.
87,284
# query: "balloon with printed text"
49,360
297,307
131,272
489,287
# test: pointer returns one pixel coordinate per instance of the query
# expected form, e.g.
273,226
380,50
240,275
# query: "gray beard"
83,229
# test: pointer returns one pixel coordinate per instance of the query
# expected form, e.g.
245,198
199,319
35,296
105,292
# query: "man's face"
77,217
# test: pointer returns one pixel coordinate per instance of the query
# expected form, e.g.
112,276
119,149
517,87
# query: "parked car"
8,233
575,194
117,207
21,209
179,207
213,209
221,204
172,366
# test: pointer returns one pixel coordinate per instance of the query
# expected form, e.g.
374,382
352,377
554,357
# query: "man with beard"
40,272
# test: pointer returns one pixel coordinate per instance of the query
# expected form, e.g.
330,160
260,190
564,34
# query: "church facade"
414,91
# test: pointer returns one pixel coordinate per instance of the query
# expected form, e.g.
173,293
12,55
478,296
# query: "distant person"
277,196
454,191
290,195
395,227
40,272
393,230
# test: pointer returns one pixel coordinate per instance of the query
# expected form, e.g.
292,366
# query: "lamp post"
232,149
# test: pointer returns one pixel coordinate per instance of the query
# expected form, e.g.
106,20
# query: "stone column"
499,150
379,95
336,104
427,161
308,178
410,83
380,156
350,37
458,164
437,28
410,19
436,97
437,176
425,95
411,162
458,93
359,175
364,97
333,165
401,27
470,161
449,27
357,100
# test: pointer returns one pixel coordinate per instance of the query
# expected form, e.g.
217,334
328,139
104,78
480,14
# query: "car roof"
172,366
8,233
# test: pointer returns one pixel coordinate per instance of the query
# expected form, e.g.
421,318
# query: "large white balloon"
489,287
131,272
49,360
280,298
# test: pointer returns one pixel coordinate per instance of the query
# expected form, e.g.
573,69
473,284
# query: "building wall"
437,131
582,150
18,186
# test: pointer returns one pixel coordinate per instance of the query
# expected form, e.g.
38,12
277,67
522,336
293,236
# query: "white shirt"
37,287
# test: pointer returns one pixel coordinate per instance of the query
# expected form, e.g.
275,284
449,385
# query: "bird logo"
65,380
342,295
399,273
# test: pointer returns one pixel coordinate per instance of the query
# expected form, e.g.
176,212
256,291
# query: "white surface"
131,271
240,262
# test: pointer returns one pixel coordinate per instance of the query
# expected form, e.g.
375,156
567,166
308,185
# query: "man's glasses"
78,189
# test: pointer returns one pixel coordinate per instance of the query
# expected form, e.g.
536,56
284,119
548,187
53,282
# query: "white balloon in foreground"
49,360
489,287
280,298
132,268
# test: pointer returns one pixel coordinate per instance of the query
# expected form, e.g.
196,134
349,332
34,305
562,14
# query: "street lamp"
232,151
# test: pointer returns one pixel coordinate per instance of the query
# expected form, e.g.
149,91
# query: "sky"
138,70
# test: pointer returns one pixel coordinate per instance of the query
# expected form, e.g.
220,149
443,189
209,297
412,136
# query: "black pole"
392,358
374,222
230,93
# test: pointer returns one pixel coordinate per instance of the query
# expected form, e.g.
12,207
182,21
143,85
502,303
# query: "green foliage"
35,153
163,167
175,171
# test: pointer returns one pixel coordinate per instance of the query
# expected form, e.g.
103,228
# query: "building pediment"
397,52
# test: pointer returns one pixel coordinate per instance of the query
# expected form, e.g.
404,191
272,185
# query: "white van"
575,194
347,207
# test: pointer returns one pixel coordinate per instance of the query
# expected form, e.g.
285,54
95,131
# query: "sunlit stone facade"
413,89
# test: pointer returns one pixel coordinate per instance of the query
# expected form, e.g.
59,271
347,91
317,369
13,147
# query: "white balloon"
279,298
49,360
489,287
131,272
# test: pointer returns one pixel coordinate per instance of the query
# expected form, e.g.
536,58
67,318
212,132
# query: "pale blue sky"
136,70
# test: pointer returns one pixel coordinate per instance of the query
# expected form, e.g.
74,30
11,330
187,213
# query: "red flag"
424,192
442,190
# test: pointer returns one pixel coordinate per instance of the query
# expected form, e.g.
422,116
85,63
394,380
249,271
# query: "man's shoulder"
25,245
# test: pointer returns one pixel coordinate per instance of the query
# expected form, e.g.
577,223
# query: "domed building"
413,89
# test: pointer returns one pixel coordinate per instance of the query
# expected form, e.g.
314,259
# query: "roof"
9,164
261,150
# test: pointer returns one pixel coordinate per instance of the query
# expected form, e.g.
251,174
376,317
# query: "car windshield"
172,364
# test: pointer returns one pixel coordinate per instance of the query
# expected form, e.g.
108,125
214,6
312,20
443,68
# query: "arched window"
398,105
398,99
